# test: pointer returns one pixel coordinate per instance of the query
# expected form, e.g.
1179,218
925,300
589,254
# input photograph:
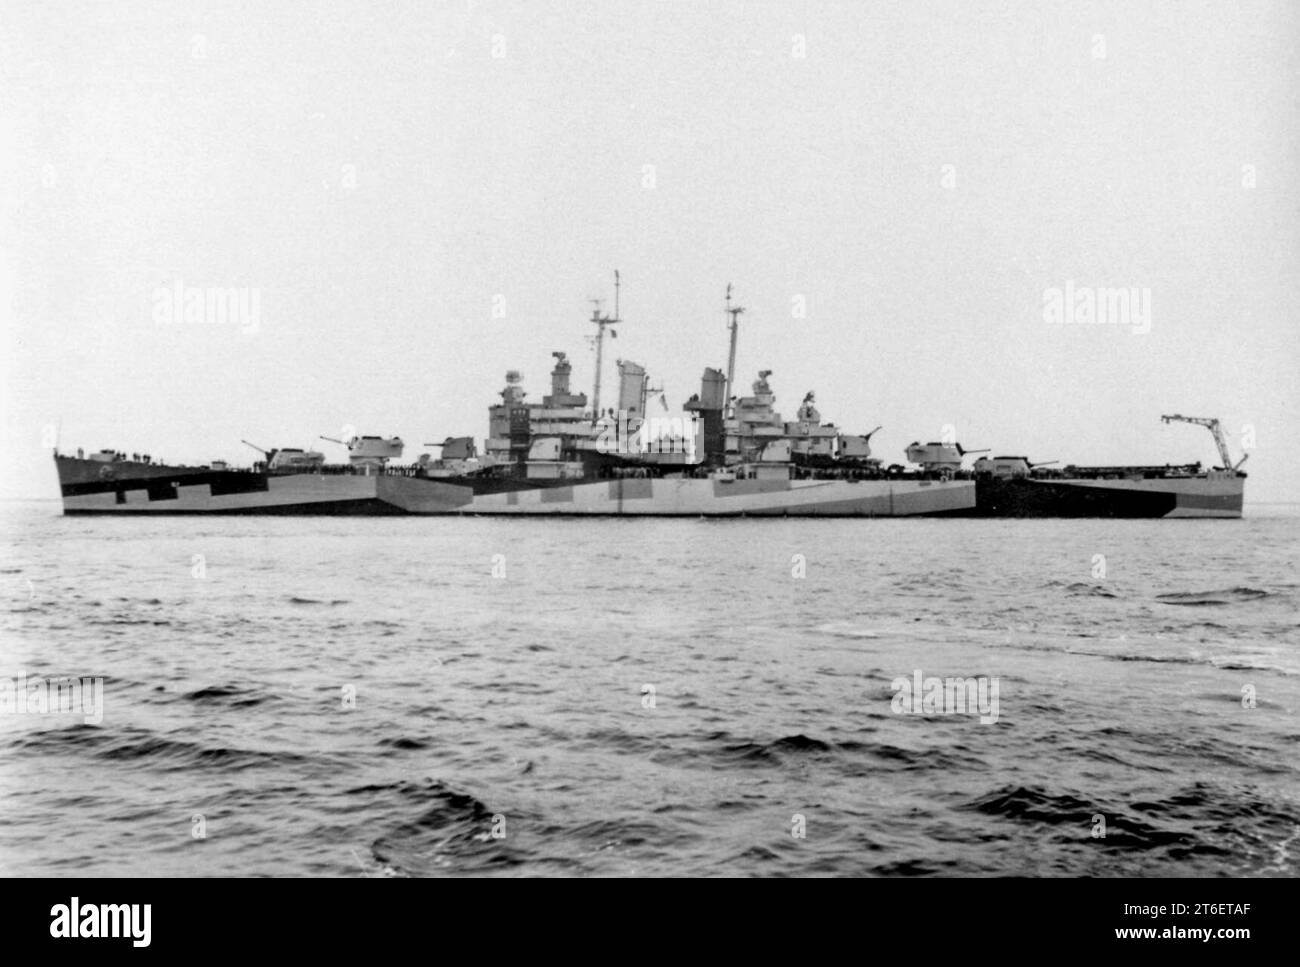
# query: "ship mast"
732,325
601,322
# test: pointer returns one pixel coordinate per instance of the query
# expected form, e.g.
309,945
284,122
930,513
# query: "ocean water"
430,697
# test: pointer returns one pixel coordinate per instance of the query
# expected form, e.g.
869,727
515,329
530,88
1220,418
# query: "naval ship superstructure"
722,455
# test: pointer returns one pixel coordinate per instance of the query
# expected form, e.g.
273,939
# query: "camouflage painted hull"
1200,496
136,488
140,489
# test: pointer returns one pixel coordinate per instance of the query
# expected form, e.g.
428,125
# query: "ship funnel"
709,404
713,390
632,382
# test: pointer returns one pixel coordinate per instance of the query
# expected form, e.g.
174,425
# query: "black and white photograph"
651,441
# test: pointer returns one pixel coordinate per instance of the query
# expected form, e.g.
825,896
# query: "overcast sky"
421,196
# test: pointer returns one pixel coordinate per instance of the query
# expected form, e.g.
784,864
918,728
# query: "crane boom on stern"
1216,430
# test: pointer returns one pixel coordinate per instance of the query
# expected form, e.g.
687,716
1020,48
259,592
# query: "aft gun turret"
1007,466
941,458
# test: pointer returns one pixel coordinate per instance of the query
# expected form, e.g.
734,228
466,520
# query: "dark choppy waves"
653,698
1225,596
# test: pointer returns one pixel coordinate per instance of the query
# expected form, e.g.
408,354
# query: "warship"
722,456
